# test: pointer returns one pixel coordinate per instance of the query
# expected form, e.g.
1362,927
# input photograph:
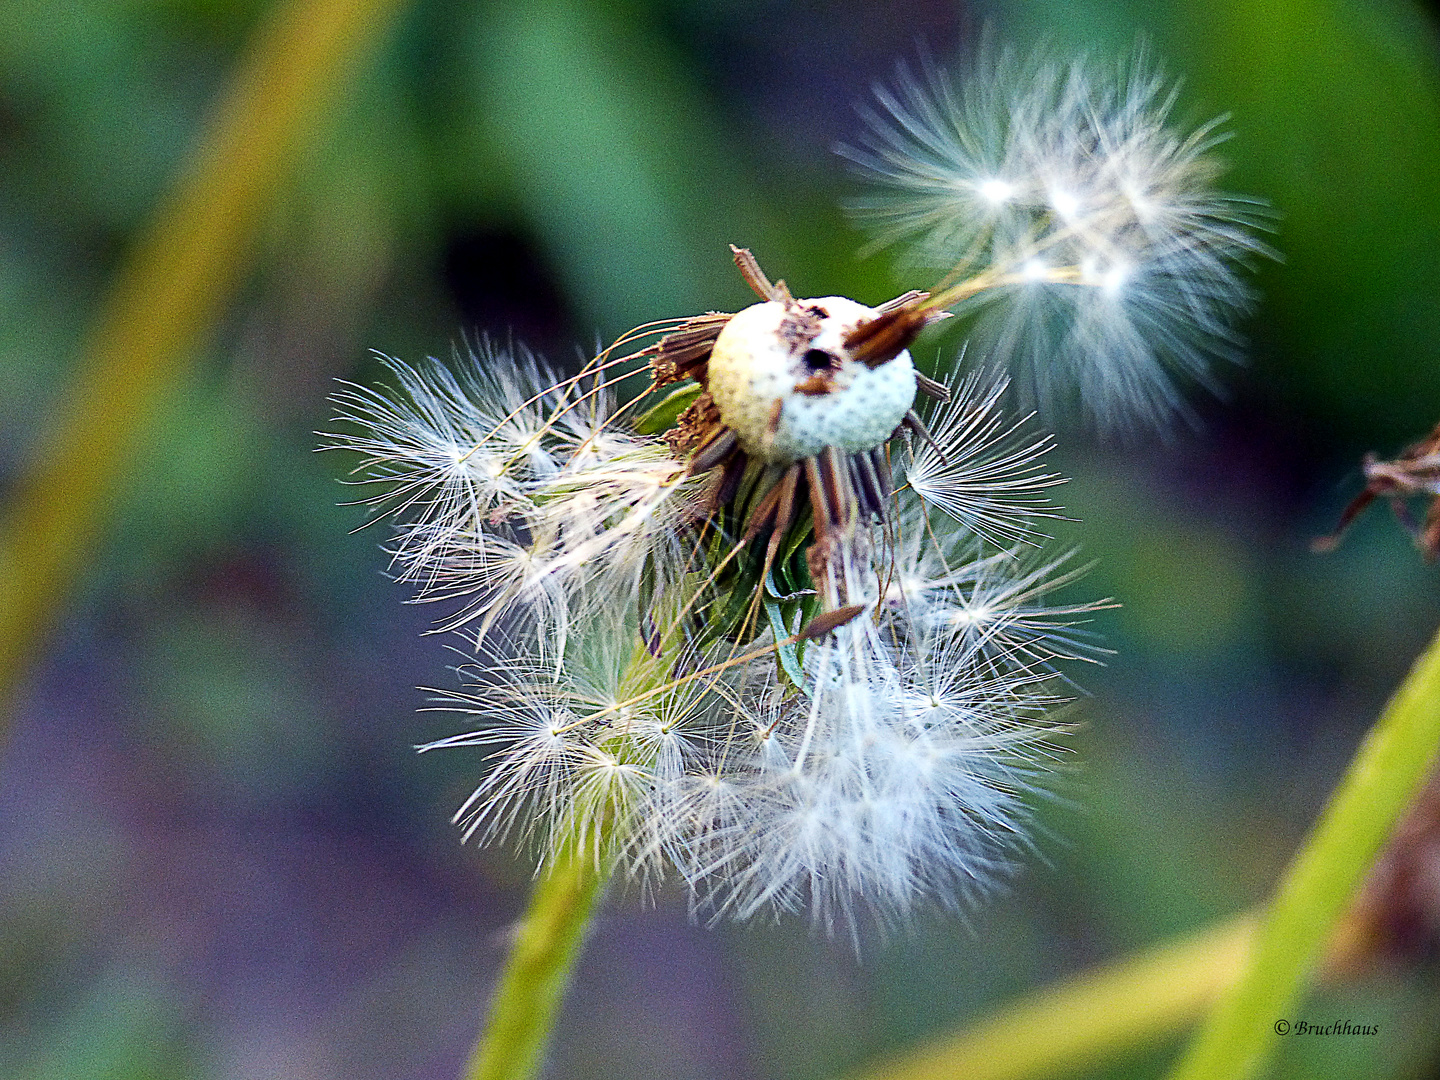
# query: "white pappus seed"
786,384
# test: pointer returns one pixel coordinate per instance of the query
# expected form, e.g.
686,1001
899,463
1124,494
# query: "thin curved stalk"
1383,779
178,278
527,1000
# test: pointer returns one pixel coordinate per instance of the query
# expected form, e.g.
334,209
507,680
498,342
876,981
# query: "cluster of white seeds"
893,775
1108,265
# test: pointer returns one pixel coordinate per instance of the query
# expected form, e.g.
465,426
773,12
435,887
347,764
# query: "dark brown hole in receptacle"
819,360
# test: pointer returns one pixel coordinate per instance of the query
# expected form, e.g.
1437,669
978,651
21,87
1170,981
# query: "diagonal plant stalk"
547,944
1248,970
178,278
1384,777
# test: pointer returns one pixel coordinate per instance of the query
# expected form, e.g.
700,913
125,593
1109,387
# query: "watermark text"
1335,1027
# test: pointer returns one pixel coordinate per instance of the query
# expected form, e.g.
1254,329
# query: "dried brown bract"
1414,473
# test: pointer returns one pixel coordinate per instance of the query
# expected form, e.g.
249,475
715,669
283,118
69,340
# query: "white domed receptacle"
787,386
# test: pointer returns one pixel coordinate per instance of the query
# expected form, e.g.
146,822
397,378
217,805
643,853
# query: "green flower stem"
527,1001
1384,777
532,986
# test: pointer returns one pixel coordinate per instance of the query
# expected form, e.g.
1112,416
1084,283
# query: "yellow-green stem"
527,1000
1384,777
548,941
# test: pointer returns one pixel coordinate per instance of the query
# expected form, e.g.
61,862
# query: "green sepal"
785,655
778,586
666,413
741,596
808,609
801,532
647,602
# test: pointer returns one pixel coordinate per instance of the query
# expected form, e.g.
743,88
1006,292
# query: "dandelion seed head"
1115,278
980,469
1065,203
652,680
996,192
1035,270
972,615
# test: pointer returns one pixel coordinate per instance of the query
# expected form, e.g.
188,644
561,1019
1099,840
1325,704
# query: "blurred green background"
219,856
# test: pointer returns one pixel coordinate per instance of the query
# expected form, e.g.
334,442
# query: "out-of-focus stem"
1086,1019
180,274
1124,1005
1252,969
527,1000
1384,777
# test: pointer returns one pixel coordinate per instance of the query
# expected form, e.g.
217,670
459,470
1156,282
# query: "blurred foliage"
219,856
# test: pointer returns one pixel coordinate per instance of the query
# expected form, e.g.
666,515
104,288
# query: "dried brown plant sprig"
1414,474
